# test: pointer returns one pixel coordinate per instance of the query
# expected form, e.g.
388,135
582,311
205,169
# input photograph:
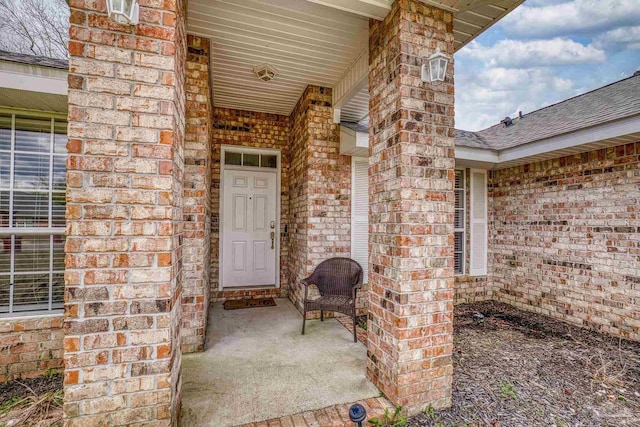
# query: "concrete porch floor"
256,366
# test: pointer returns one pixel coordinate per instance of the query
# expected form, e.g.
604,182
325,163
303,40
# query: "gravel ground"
520,369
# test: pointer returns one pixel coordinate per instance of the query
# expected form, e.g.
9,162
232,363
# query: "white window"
360,212
32,209
459,222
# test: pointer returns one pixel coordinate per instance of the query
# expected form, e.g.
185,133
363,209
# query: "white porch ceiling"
309,42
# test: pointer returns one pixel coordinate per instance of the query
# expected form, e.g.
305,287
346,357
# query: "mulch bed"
32,402
20,388
520,369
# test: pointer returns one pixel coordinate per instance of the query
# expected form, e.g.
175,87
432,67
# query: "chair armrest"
306,282
354,291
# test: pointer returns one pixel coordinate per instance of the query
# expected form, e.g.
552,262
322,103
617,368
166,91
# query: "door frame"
224,148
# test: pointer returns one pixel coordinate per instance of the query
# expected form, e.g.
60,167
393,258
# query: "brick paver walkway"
333,416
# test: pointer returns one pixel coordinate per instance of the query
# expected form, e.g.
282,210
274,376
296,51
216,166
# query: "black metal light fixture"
357,414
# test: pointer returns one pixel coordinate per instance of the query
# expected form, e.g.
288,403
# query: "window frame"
463,229
12,231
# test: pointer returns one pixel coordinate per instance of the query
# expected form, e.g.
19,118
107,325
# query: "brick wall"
321,188
299,206
411,183
254,130
197,197
124,216
30,346
564,238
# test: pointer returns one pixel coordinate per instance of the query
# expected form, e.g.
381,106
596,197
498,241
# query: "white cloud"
570,18
625,38
535,53
493,93
542,53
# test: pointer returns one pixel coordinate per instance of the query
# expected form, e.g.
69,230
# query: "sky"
543,52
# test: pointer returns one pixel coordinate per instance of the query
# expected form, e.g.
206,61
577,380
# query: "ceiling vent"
265,72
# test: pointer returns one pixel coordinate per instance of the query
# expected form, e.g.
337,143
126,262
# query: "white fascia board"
476,155
33,78
376,9
574,139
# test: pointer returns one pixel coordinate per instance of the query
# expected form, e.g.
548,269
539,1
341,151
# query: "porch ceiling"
309,42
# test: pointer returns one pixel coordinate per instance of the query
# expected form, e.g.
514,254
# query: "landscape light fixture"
123,11
435,69
357,414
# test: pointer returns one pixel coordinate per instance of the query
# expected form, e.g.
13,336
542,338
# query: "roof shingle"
612,102
41,61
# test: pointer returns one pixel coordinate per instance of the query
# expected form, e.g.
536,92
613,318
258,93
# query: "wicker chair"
338,281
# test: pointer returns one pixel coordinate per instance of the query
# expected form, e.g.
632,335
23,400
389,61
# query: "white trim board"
33,78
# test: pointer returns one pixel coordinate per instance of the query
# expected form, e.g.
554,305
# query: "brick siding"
197,197
30,346
299,207
564,238
411,184
124,216
321,189
253,130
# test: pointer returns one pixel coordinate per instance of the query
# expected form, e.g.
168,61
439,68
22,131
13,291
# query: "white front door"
249,229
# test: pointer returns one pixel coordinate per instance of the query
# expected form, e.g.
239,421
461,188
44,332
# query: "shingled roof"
41,61
612,102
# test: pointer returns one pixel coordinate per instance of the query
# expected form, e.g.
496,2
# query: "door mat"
249,303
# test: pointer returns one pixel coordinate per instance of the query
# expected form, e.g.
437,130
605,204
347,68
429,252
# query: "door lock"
273,237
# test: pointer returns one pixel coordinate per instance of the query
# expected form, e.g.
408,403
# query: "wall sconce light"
435,69
123,11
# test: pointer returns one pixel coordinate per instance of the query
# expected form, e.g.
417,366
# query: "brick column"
197,196
320,188
412,203
124,216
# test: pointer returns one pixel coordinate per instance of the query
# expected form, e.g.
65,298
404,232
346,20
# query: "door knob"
272,225
273,237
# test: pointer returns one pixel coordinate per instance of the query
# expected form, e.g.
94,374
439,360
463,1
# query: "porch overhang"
313,42
471,18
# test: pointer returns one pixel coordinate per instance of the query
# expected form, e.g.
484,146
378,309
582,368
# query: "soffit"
309,42
28,100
